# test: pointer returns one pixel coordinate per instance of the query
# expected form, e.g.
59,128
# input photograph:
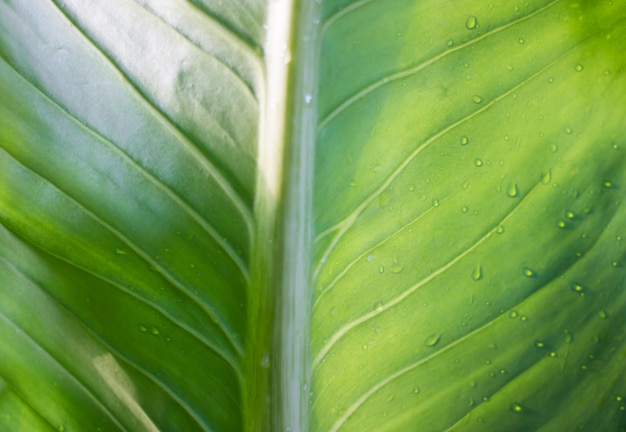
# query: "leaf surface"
429,236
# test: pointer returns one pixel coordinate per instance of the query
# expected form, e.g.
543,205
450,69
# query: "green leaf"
339,215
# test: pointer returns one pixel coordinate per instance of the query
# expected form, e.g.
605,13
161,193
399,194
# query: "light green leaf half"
321,215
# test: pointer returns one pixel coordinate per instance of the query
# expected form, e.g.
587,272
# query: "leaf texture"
469,217
128,182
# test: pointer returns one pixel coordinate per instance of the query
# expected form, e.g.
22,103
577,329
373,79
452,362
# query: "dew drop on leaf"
478,162
416,390
603,314
579,67
546,177
578,288
477,99
540,344
513,314
512,190
143,328
396,267
265,361
120,251
477,273
378,306
471,23
528,272
370,258
516,407
435,202
432,340
464,140
561,224
381,269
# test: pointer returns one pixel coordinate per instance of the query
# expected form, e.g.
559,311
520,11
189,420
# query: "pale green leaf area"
335,215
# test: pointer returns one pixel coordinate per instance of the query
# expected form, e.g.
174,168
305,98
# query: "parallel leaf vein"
344,225
458,341
155,264
394,301
73,377
361,94
187,143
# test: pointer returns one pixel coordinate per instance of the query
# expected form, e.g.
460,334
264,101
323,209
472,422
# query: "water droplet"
540,344
478,162
513,314
516,407
464,209
155,331
603,314
119,251
561,224
450,42
378,306
416,390
377,168
432,340
521,41
529,273
512,190
578,288
608,184
333,311
61,428
554,148
579,67
477,99
569,337
500,229
308,97
143,328
471,23
568,130
396,267
365,347
265,361
435,202
381,269
464,140
477,273
370,258
546,177
570,215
